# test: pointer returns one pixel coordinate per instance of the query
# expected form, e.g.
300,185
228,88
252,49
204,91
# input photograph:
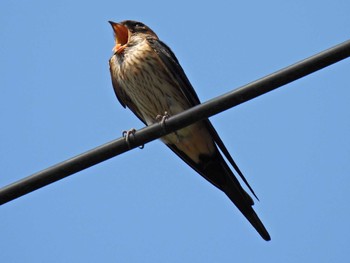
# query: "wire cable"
197,113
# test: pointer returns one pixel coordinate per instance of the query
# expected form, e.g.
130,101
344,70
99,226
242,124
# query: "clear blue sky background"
293,144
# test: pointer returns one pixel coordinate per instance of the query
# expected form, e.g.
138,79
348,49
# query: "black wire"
147,134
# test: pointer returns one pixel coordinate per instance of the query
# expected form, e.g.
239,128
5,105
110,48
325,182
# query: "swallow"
148,79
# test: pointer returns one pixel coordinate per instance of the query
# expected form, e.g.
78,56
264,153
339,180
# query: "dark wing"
171,63
122,97
175,70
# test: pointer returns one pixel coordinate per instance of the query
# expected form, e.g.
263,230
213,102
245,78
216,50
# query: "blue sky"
292,144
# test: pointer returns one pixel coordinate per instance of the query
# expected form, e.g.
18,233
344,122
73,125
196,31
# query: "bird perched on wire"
148,79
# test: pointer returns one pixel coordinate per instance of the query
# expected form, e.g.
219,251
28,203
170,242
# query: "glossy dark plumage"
148,79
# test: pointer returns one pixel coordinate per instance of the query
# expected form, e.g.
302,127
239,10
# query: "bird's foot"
162,118
127,134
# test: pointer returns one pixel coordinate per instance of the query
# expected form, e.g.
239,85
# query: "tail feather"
247,210
216,170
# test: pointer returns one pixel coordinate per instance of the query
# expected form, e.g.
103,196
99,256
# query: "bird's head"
124,32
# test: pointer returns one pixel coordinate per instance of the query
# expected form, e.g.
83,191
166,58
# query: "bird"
148,79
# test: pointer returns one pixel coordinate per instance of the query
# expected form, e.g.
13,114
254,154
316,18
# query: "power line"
199,112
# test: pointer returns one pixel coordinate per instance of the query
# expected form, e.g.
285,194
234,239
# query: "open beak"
121,34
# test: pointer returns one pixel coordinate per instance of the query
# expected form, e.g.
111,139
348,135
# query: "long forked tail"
218,172
249,213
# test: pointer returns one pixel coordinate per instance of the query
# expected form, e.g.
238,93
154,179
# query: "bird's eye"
139,25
